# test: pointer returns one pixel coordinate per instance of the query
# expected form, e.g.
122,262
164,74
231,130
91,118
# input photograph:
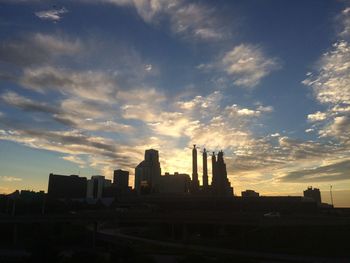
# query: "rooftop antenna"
330,190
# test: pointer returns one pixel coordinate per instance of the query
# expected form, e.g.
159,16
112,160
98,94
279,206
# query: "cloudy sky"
86,86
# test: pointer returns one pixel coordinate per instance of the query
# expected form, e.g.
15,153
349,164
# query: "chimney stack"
205,169
195,182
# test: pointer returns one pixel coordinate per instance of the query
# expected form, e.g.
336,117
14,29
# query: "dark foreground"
181,231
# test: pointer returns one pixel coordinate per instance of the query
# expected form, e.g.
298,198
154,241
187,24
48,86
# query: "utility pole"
330,190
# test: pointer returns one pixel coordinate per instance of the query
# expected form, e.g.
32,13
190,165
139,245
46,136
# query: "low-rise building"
313,193
67,187
249,193
96,186
174,183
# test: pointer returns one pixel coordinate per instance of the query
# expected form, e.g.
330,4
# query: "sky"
87,86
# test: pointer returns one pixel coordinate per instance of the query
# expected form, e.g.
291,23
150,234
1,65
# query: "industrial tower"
205,169
195,182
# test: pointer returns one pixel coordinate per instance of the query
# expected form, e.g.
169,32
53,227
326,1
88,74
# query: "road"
277,258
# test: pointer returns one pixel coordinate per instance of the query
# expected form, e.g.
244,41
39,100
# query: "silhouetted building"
121,179
147,173
175,183
68,187
213,167
205,169
96,186
195,182
313,193
220,185
249,193
28,195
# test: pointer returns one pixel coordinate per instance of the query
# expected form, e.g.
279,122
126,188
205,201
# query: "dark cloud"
13,99
36,49
90,85
331,172
73,142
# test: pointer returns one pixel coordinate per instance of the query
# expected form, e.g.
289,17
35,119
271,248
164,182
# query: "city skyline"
87,87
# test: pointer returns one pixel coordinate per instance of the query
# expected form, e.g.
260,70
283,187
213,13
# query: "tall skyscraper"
205,169
220,184
147,173
121,179
195,182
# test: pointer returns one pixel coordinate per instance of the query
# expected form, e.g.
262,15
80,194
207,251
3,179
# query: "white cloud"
345,18
331,84
317,116
148,67
10,179
197,21
192,20
265,108
175,124
275,134
339,128
51,14
75,159
248,65
142,104
235,110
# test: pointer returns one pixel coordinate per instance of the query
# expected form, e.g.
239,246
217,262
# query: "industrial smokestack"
195,182
205,169
213,168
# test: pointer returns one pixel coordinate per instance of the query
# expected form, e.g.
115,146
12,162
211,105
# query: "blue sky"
86,86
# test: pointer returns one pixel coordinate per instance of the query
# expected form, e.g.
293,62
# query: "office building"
147,173
96,186
121,179
67,187
175,183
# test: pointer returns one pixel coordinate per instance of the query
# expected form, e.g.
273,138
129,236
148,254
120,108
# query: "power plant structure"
220,185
